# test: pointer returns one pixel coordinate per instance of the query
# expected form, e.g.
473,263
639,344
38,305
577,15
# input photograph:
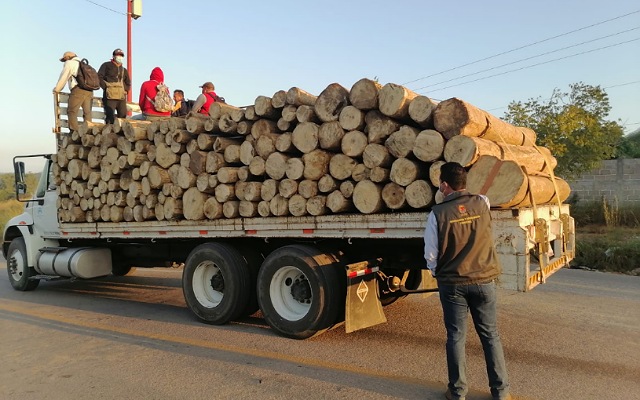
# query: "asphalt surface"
575,337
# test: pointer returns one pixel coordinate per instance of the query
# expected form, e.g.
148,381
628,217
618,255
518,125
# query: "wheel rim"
16,266
290,293
208,284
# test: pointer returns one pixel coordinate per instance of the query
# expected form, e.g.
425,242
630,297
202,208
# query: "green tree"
572,125
629,146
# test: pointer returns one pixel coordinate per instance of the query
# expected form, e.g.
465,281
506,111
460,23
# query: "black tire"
299,291
17,269
122,270
216,282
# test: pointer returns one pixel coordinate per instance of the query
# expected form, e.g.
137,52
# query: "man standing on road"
78,96
459,250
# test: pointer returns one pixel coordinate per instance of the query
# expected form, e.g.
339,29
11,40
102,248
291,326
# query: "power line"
538,64
106,8
530,58
522,47
622,84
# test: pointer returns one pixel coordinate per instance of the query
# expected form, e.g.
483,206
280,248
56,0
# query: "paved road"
576,337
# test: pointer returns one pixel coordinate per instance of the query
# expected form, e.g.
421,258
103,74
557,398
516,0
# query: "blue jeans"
480,299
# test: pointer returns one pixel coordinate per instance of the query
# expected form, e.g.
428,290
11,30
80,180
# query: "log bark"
454,117
193,204
331,102
429,146
367,197
364,94
218,109
353,143
198,162
299,97
401,142
305,137
177,123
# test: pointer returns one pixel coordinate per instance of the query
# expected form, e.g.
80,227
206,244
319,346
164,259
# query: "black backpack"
87,76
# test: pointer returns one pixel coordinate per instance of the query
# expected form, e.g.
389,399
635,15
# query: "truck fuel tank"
80,262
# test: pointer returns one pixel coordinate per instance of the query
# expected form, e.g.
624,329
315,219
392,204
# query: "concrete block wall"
614,179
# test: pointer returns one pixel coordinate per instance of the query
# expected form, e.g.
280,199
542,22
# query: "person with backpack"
155,100
115,83
79,97
204,101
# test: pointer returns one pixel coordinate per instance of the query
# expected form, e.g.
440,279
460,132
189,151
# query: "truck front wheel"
299,291
216,282
17,267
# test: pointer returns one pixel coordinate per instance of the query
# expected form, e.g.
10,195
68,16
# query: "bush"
8,210
606,254
606,213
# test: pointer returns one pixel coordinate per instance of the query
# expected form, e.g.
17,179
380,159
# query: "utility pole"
134,10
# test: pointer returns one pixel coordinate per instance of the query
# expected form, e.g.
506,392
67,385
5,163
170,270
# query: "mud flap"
362,308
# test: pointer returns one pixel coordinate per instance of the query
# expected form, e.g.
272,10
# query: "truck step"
52,249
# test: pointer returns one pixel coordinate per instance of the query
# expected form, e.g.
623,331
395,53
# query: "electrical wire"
537,64
522,47
530,58
106,8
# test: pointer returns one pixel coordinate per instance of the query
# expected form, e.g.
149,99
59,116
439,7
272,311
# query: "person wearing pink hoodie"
148,92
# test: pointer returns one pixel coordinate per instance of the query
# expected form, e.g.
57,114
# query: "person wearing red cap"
148,92
78,96
115,83
204,101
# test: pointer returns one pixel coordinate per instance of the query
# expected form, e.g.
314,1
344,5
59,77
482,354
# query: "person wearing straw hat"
78,97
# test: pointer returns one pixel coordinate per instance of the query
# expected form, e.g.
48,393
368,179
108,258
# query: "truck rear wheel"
17,268
299,291
216,282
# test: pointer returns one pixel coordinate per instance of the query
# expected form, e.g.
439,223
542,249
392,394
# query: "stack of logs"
371,149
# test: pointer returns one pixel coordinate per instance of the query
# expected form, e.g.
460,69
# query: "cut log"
379,174
248,209
454,117
231,209
351,118
276,166
263,126
135,130
232,154
353,143
401,142
244,127
218,109
327,184
177,123
172,209
266,144
193,204
331,102
316,164
269,189
434,173
257,166
253,191
198,162
295,168
306,113
240,187
204,184
297,205
289,113
405,171
247,152
228,175
227,125
360,173
165,157
243,173
429,146
224,192
376,155
287,188
419,194
367,197
195,123
317,205
393,196
250,113
215,161
284,126
364,94
346,188
284,143
126,146
279,99
305,137
341,166
298,97
157,176
379,126
308,188
205,141
466,150
337,203
279,206
330,136
212,209
264,209
394,101
421,111
265,109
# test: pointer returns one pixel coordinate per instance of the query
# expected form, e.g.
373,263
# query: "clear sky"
250,48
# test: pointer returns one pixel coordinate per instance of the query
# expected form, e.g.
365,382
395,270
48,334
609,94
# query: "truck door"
44,211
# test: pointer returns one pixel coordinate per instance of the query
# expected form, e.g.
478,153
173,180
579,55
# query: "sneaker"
450,396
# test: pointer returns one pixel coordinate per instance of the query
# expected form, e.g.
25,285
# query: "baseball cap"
67,56
118,52
207,85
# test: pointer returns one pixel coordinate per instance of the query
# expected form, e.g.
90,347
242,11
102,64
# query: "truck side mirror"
19,171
